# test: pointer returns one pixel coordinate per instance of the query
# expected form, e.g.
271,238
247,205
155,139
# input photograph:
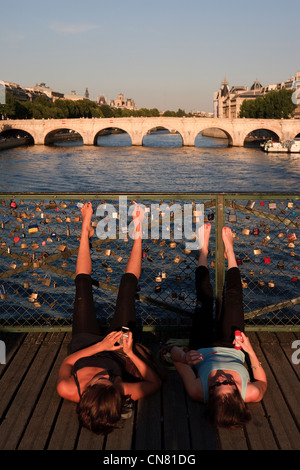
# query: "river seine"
160,165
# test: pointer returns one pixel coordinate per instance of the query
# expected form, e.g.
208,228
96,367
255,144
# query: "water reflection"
114,140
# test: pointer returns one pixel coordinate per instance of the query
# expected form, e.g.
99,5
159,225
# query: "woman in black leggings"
212,370
100,374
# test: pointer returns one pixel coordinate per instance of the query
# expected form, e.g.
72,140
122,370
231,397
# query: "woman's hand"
193,357
245,343
109,342
128,343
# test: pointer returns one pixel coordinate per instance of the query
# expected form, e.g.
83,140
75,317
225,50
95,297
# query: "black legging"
205,331
84,317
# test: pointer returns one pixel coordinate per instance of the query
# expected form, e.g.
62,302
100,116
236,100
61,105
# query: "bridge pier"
136,138
38,140
188,139
88,140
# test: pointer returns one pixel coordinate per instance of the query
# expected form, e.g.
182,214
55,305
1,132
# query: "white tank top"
223,359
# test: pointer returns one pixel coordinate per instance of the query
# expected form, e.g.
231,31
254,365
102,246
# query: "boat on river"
287,146
271,146
293,145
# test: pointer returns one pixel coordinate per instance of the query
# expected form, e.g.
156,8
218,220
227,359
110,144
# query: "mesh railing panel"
39,240
267,248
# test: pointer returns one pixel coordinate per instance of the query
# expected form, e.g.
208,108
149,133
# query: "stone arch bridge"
236,130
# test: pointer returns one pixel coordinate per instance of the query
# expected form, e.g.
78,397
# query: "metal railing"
39,240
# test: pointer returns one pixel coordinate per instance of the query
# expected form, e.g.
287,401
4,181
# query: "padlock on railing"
232,216
33,228
3,295
250,204
291,237
47,280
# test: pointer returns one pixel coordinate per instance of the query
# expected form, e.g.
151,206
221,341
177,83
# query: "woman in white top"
212,370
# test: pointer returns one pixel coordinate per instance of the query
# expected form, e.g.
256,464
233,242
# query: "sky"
165,54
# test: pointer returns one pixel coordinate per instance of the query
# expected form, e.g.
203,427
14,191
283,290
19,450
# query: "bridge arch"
62,135
259,136
114,136
297,136
17,133
167,137
213,132
263,133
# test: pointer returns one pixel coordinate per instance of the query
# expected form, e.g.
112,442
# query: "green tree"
154,112
8,110
273,105
169,113
180,113
106,111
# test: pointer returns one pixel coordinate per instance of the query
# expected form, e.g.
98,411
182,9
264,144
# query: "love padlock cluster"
32,232
39,241
267,234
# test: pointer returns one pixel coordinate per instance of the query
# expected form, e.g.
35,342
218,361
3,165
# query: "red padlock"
292,237
267,260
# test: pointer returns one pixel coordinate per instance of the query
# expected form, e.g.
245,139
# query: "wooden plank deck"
34,417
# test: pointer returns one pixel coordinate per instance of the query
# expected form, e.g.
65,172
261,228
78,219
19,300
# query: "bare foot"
204,235
138,218
87,212
227,237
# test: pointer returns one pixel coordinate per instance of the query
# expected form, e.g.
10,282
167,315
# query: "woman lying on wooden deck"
212,370
100,374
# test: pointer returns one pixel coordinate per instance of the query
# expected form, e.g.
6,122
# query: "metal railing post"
220,265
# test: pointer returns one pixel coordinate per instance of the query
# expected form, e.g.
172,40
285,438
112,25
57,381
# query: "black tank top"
117,364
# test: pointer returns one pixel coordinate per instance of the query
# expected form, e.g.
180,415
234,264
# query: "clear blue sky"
167,54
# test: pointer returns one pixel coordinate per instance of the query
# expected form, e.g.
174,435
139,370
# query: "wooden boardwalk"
34,417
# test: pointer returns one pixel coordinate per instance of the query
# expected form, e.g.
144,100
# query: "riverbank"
13,142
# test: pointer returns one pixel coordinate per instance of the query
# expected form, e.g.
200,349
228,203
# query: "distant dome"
256,86
224,88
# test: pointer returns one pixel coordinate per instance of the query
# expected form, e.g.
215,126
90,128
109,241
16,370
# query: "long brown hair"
100,408
227,411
